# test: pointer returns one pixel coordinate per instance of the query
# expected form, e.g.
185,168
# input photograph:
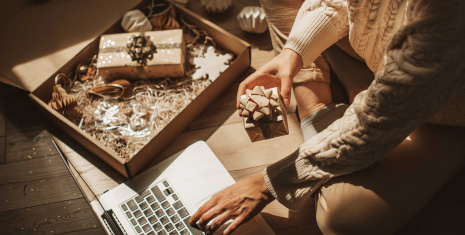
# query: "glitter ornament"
216,6
252,20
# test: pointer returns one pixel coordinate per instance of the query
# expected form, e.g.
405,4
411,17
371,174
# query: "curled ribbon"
259,103
141,49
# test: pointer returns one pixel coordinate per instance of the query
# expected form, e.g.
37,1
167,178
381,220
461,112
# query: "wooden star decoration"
211,65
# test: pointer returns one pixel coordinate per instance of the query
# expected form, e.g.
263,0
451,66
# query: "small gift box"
263,113
154,54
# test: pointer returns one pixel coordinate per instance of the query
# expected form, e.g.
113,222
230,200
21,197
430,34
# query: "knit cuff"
312,34
286,184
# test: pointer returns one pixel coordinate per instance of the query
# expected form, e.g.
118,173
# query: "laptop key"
124,207
146,227
138,229
143,205
175,218
169,227
185,232
193,230
128,214
152,219
180,225
165,204
157,226
155,206
177,205
170,211
175,197
183,212
142,220
139,199
151,233
164,220
145,193
174,232
166,183
132,205
150,199
159,213
133,222
158,194
162,232
168,191
148,212
137,213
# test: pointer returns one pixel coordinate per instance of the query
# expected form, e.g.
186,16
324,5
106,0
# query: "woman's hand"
240,201
278,72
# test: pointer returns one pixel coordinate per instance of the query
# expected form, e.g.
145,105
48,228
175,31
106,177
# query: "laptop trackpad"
241,230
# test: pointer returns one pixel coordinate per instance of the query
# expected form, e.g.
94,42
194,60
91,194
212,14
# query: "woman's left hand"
240,201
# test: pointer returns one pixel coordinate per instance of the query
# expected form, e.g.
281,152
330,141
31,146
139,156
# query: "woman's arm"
318,25
423,70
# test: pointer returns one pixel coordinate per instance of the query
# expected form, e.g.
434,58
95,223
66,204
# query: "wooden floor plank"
28,142
33,193
3,95
26,134
32,170
73,216
234,148
92,231
2,150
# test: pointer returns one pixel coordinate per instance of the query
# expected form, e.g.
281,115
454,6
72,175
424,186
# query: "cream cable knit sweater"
416,45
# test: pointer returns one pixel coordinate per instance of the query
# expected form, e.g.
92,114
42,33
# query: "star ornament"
211,65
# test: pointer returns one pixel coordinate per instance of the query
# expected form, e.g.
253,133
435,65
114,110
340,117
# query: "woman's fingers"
201,211
220,220
286,86
208,216
234,225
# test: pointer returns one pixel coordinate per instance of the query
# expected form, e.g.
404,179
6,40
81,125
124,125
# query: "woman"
414,47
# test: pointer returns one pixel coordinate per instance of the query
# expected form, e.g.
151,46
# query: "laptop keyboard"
158,210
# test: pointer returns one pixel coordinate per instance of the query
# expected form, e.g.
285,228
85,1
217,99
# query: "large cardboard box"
41,93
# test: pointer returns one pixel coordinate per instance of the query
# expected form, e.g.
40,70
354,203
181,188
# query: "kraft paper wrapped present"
155,54
263,114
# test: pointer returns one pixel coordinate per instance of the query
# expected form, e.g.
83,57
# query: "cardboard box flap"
61,29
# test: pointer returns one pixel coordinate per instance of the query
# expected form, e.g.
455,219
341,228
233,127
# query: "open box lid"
42,37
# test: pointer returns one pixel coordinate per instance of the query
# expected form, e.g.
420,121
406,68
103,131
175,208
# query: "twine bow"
259,103
141,49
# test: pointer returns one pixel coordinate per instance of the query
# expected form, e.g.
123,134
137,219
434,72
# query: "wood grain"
3,95
26,136
56,218
32,170
2,150
37,192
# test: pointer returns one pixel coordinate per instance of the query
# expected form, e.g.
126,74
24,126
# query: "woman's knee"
347,209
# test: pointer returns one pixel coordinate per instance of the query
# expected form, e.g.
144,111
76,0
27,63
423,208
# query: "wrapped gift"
263,114
154,54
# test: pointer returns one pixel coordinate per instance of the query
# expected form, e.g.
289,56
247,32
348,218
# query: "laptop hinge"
112,223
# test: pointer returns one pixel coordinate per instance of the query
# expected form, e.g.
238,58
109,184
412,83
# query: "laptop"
162,199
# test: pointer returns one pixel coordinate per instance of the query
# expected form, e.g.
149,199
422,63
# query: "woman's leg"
354,75
383,197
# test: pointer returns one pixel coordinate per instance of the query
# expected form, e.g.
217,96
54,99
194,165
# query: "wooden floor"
38,196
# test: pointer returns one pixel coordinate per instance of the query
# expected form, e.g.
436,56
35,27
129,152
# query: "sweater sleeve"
423,70
318,25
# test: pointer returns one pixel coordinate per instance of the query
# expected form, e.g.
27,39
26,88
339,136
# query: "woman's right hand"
278,72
